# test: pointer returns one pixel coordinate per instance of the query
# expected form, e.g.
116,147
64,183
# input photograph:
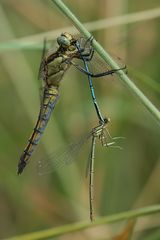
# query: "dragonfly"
53,66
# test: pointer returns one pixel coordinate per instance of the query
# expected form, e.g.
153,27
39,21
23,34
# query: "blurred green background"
124,179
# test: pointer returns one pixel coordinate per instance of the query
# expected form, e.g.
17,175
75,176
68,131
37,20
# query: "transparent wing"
59,159
46,46
41,73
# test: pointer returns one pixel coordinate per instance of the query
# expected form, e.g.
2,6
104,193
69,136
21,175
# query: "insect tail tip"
20,170
21,166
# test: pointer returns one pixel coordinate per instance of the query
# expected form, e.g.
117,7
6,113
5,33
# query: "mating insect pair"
52,69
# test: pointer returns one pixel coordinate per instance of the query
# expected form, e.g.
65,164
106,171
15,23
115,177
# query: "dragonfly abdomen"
50,98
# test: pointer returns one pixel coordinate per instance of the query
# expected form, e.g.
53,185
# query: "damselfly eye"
106,120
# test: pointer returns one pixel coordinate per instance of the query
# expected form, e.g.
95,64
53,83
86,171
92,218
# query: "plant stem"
32,41
54,232
124,78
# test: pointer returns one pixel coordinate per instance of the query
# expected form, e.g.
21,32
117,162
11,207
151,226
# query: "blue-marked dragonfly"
53,66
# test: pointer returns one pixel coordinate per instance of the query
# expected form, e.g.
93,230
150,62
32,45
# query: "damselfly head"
65,40
105,121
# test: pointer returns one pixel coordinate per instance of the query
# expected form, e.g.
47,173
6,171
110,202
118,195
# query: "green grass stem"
57,231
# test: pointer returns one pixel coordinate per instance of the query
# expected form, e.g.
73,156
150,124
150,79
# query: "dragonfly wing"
41,75
41,67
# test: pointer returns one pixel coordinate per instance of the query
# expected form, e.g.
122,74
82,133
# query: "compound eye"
63,41
106,120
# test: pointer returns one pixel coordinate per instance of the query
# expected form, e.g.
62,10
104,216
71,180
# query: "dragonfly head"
65,40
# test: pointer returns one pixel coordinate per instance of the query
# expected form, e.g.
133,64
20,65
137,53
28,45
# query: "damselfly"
53,66
58,160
